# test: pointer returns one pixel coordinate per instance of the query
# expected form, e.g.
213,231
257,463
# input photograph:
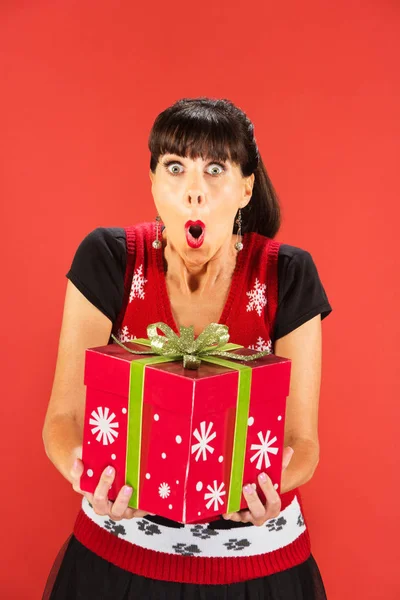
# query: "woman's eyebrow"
170,156
180,158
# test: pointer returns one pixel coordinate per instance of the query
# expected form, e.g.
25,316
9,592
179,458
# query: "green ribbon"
213,341
210,346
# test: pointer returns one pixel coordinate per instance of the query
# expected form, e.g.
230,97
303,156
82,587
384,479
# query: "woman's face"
197,201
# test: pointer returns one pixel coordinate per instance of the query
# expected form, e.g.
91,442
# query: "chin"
197,256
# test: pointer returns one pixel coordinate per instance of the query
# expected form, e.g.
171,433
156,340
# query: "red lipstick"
195,232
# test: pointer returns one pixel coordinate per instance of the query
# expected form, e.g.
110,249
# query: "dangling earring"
239,243
157,244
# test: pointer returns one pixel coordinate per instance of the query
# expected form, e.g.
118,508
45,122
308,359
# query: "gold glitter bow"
212,341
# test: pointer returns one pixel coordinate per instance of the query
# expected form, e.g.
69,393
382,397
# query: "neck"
197,278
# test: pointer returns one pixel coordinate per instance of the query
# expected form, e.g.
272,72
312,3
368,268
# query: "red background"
81,85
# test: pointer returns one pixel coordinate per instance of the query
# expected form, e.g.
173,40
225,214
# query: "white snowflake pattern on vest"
258,298
124,336
138,282
261,345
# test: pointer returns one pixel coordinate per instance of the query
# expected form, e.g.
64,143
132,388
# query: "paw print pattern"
203,532
113,528
148,528
236,545
276,524
300,520
186,549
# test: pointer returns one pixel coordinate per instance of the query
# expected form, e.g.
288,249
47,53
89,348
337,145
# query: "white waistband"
200,540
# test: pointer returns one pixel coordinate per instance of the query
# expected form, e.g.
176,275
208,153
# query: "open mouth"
195,231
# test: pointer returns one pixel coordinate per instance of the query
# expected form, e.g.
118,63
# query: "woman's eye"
216,169
174,168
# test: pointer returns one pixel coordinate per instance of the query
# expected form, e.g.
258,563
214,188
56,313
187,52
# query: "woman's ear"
248,190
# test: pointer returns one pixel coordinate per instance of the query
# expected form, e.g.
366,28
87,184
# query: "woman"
214,260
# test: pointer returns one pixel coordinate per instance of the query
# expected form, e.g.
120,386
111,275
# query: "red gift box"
185,440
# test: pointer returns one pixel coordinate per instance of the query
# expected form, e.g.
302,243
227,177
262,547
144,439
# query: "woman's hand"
116,510
259,513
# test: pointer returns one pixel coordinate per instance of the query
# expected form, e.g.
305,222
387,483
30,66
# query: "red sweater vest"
249,313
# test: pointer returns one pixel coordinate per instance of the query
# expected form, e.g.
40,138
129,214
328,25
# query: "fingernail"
109,471
262,477
75,465
127,490
248,489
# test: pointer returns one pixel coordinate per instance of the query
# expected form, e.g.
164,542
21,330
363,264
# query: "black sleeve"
98,269
301,295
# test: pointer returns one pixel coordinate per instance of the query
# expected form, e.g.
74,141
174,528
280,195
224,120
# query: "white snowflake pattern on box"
124,336
138,283
261,345
215,495
263,449
104,425
257,297
164,490
204,438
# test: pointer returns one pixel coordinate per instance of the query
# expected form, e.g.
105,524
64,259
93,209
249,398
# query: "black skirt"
79,574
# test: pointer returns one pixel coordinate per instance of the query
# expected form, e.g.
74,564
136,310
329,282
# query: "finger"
273,500
133,513
77,468
100,496
76,473
256,507
130,513
89,497
247,517
120,504
140,513
236,516
287,457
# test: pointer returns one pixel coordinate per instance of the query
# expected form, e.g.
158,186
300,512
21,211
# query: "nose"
195,197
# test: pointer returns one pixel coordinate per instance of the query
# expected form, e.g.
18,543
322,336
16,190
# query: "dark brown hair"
216,129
